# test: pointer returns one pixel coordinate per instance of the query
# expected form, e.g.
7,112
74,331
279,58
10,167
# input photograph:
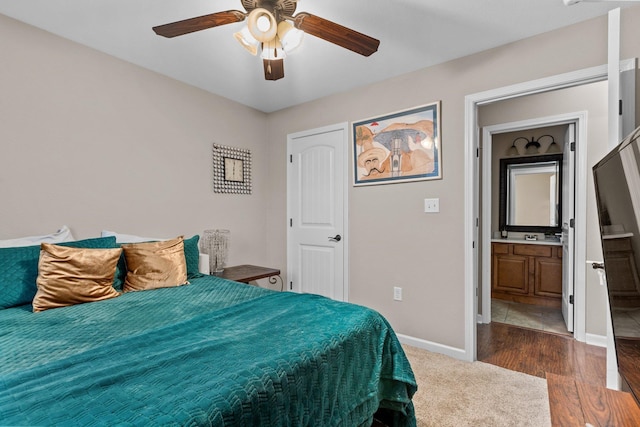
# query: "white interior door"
568,208
316,205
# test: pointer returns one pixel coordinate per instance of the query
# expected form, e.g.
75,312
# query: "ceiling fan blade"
273,69
336,33
191,25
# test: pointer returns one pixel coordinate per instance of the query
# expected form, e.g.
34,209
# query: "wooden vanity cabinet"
527,273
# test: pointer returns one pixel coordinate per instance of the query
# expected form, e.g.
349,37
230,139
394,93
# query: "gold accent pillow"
154,265
68,276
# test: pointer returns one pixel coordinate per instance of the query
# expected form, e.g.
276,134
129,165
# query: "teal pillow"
19,269
191,255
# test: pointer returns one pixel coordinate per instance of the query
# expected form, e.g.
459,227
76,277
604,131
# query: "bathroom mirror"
531,194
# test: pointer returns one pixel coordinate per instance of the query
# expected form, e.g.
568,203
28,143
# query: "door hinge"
572,223
290,286
570,299
290,222
477,152
477,222
620,107
473,245
290,158
572,146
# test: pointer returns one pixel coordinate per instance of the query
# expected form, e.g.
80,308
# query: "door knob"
336,238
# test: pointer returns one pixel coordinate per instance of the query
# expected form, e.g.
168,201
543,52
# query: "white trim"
456,353
614,133
344,127
486,195
470,230
613,61
345,206
630,64
546,84
580,230
575,78
628,96
597,340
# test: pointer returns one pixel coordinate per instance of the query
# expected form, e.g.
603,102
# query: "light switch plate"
431,205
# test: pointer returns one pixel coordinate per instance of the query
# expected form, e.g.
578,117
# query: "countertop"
528,242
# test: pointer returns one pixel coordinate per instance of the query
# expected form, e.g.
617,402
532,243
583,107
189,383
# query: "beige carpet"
456,393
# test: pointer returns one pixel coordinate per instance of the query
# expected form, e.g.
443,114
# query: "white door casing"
568,208
571,119
316,206
472,102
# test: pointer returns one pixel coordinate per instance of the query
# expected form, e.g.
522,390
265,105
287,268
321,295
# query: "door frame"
471,176
344,127
580,175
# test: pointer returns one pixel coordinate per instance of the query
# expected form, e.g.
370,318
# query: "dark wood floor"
575,374
536,353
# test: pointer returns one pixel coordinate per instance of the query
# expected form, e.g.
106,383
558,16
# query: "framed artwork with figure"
404,146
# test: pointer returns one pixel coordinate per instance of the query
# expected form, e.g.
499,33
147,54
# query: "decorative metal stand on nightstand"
248,273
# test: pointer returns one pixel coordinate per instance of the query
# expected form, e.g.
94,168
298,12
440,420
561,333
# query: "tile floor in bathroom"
529,316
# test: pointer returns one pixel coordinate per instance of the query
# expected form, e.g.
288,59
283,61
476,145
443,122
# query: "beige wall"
424,253
97,143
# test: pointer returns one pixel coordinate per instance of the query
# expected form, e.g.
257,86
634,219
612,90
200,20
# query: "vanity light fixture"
532,146
513,150
554,148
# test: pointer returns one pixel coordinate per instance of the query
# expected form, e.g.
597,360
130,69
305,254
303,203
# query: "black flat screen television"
617,185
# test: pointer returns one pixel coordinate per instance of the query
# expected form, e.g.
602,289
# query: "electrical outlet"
397,293
432,205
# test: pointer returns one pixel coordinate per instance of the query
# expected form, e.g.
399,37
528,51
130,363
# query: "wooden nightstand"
248,273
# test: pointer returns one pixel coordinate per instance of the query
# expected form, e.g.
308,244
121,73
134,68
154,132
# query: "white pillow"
129,238
62,235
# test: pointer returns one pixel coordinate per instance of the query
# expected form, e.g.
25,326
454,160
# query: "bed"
212,352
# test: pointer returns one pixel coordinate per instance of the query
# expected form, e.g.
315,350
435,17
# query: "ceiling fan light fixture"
262,24
290,37
273,50
267,30
247,41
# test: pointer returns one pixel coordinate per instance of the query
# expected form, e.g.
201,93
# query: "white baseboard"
456,353
597,340
460,354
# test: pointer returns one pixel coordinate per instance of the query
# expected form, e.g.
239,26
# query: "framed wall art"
398,147
231,170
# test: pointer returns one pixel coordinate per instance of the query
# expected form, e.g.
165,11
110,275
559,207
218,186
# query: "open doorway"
476,107
528,196
586,100
584,109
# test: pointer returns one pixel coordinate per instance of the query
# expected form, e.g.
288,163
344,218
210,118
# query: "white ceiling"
414,34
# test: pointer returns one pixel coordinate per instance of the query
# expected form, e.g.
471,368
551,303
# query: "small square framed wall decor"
231,170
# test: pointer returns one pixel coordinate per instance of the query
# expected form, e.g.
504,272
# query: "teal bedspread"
210,353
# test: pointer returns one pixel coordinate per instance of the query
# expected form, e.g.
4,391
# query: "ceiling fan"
272,27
